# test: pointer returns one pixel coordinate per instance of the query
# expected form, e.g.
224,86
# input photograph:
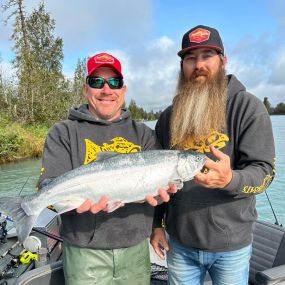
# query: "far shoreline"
18,143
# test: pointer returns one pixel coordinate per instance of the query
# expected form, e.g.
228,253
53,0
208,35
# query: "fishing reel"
9,271
7,274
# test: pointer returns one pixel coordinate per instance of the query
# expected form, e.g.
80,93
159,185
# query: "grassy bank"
19,141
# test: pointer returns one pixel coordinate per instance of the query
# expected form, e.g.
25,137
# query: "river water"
21,177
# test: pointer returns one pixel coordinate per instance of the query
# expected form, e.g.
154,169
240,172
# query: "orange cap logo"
199,35
104,58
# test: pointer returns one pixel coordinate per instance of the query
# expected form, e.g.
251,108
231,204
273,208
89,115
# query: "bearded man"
210,221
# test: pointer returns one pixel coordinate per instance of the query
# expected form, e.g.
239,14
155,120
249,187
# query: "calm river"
21,177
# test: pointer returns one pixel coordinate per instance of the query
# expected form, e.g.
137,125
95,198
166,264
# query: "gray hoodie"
75,142
222,219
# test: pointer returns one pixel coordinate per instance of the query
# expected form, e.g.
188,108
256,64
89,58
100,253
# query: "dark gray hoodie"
222,219
76,141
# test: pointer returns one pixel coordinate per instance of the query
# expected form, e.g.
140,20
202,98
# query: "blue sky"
146,35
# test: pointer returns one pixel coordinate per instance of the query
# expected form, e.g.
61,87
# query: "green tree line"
278,110
139,113
39,93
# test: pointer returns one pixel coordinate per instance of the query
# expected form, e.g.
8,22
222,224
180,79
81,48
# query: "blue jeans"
188,266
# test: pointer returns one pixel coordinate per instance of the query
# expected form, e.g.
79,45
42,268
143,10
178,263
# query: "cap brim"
185,50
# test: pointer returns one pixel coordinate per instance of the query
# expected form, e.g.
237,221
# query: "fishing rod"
45,233
275,217
23,186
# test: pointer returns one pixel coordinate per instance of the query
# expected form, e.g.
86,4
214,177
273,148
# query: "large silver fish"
122,177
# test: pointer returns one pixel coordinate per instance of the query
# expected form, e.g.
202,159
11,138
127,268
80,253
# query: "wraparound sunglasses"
99,82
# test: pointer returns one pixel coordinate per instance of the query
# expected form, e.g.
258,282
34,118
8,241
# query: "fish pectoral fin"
178,183
114,205
68,205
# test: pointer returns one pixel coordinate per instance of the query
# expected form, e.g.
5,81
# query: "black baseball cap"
201,37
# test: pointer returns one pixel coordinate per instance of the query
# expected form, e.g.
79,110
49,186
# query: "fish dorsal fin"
105,155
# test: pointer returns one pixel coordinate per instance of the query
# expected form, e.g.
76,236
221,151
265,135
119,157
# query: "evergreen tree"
134,110
267,105
21,48
42,90
279,109
140,114
2,96
78,80
50,98
7,91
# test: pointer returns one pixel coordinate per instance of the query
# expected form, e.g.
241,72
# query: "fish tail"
22,222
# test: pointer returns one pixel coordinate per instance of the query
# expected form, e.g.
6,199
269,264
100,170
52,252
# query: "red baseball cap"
103,59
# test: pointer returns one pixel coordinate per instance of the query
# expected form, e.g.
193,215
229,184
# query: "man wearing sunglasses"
210,221
100,247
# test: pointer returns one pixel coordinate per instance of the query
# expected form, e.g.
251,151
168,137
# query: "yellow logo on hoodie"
118,144
216,139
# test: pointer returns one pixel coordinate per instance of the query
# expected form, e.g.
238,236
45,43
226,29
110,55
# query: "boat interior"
267,265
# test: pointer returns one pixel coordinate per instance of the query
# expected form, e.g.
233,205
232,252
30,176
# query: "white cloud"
92,24
278,69
262,80
248,73
274,93
151,78
163,44
151,65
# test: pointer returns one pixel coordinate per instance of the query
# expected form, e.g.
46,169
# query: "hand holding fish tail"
159,242
219,173
163,195
88,205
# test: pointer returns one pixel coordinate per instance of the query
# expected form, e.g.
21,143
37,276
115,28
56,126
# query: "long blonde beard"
198,109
